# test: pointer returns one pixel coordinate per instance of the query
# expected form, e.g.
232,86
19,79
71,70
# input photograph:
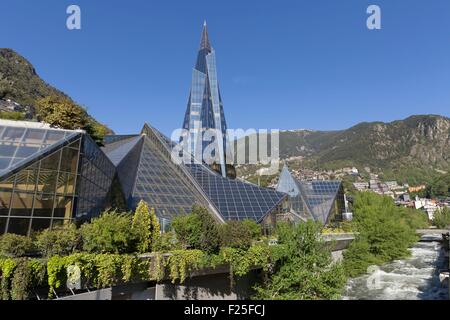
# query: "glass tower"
205,109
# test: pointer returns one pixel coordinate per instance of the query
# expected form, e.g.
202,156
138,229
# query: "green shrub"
19,276
146,227
13,245
7,268
155,229
441,218
385,232
63,240
198,230
357,258
21,280
236,234
12,115
167,242
255,229
188,229
142,227
109,233
210,235
304,268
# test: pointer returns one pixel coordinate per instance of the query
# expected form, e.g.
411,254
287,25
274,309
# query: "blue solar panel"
235,199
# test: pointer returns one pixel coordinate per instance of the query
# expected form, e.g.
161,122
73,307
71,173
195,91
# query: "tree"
441,218
304,270
5,86
96,130
385,232
441,186
156,229
210,235
109,233
61,112
146,227
188,229
141,227
255,229
198,230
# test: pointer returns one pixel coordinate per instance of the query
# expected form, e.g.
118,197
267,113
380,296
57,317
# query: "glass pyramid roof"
161,184
172,189
287,184
117,150
311,199
319,197
21,142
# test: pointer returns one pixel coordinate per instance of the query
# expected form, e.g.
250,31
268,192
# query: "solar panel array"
235,199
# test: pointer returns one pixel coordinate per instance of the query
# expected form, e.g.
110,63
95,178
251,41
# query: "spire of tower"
204,43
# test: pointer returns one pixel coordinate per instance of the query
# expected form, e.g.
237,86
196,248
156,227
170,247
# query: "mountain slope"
414,150
423,141
20,83
19,80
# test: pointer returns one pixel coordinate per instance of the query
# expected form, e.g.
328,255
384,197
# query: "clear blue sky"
282,64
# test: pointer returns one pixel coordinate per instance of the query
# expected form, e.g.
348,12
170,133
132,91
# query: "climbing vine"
182,262
20,275
242,261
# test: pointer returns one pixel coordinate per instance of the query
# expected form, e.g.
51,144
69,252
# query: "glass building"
205,107
51,176
318,200
47,175
172,189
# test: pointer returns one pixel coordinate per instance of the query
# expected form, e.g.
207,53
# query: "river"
415,278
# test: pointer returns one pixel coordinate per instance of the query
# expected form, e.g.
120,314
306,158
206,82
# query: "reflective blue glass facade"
125,155
96,175
56,176
205,107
